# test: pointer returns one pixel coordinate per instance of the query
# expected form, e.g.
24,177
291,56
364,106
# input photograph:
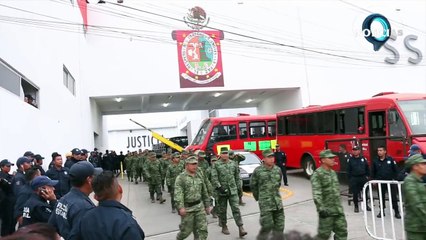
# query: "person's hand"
221,190
182,212
48,194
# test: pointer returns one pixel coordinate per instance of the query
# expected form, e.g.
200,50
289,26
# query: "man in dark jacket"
281,161
41,203
8,200
384,168
57,172
111,219
71,207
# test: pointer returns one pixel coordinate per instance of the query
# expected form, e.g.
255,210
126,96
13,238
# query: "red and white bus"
253,133
387,119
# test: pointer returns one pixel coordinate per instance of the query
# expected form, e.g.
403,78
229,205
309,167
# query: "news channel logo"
377,30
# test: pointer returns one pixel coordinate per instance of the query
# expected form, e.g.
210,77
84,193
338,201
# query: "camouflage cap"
224,150
326,154
413,160
231,153
268,153
152,154
176,155
184,152
201,153
213,159
191,159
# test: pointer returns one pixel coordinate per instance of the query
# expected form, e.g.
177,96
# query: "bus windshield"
201,135
415,113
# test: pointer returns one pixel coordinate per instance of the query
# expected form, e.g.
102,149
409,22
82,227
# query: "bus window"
377,124
326,122
281,125
223,133
257,129
272,128
346,123
396,126
415,113
243,129
201,135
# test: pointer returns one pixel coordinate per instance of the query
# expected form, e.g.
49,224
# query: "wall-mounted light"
249,100
217,94
166,104
118,99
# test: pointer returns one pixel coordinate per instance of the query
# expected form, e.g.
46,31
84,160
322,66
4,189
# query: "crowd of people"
59,197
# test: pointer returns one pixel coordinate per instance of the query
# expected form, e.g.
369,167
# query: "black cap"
82,169
84,151
38,157
22,160
356,148
76,151
5,162
28,154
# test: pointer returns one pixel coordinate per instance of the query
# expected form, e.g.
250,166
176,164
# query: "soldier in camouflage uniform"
414,193
237,158
214,193
265,184
226,180
137,166
165,161
202,162
172,172
326,195
153,172
129,165
192,202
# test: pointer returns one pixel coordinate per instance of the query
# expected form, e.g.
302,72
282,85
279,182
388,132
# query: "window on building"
68,80
16,83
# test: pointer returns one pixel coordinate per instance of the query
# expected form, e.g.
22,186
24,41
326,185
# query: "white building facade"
316,49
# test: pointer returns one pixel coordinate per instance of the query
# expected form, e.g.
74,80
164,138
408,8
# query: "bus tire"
308,166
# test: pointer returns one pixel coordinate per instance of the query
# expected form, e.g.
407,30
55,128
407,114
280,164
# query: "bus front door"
376,132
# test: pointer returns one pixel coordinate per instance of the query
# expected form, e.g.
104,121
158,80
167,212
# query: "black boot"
397,215
356,208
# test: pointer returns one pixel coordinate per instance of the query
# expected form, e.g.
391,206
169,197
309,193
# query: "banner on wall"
199,52
82,4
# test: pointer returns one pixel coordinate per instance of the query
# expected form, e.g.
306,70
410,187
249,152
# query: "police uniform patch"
362,160
65,172
18,183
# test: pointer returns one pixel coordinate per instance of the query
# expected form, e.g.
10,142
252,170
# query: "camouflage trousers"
222,205
172,197
129,175
416,235
193,222
154,188
138,174
271,221
336,224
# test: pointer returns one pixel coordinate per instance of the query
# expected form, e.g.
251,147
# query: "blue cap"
414,147
41,181
21,161
83,169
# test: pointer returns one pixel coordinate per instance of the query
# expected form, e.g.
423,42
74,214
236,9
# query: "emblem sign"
199,54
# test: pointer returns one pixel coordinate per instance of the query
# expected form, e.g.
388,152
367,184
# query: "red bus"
252,133
387,119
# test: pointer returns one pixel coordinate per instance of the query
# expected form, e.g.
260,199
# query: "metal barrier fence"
387,232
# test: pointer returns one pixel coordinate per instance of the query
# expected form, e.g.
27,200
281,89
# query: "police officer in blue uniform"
39,206
75,158
111,219
281,162
18,181
384,168
71,207
358,173
57,172
8,200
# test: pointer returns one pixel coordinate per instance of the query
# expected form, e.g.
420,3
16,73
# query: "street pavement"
300,213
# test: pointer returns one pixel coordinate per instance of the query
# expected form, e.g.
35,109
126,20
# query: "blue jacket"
18,182
68,213
63,186
111,220
385,169
23,195
36,209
